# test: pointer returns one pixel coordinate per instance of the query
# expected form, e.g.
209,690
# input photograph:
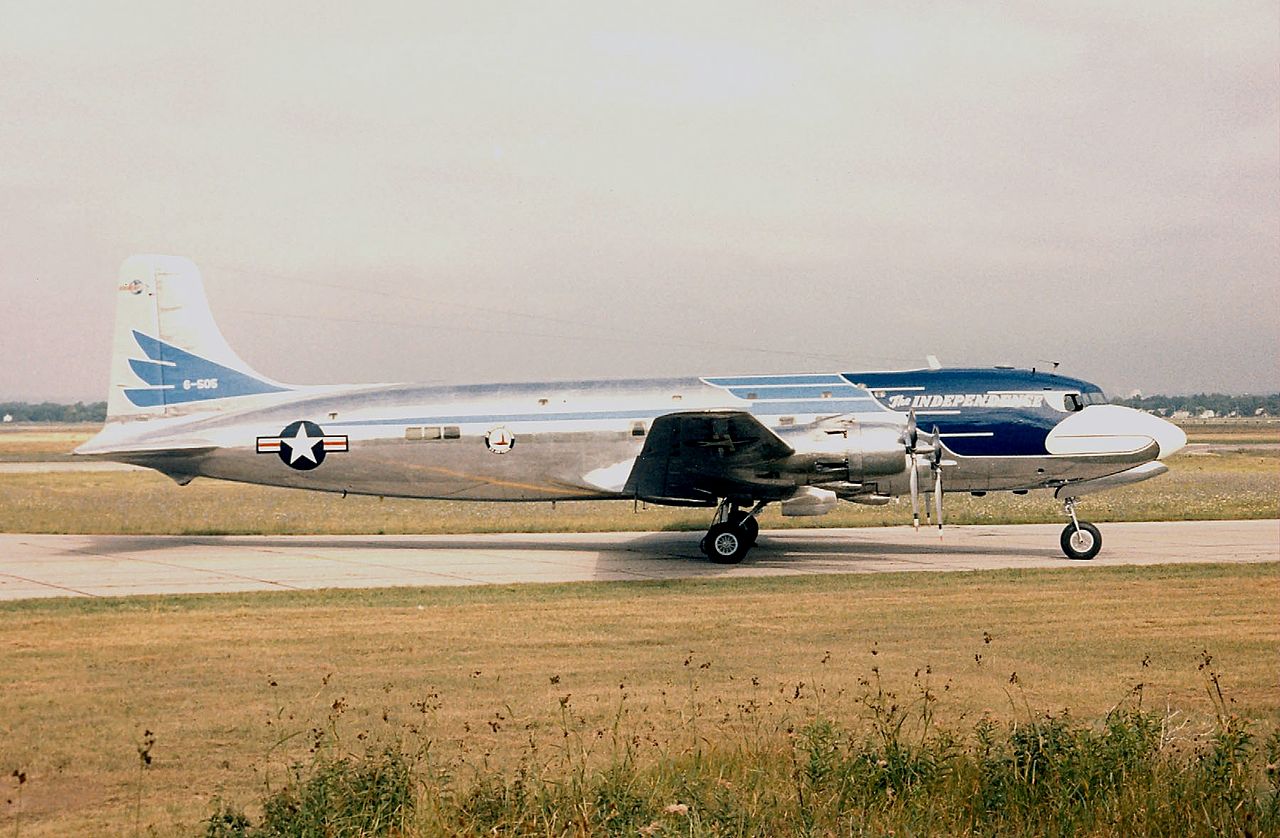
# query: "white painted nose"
1112,429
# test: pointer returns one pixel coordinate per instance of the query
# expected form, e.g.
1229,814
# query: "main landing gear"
1080,539
733,532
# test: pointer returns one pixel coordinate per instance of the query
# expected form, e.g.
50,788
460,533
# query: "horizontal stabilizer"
177,447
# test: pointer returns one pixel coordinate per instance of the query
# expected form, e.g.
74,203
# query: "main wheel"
1081,544
727,544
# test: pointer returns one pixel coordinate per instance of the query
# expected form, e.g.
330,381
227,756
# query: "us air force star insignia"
500,440
301,445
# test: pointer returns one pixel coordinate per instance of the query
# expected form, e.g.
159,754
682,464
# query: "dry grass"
41,443
1229,485
232,684
1232,431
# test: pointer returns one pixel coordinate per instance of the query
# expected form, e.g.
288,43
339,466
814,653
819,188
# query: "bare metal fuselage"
574,441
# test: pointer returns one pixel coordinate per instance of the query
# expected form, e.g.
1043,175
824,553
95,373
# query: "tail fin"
168,355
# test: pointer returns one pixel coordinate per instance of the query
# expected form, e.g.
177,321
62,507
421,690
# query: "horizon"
414,192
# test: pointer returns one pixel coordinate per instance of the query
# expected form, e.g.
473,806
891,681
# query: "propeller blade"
911,433
915,493
937,496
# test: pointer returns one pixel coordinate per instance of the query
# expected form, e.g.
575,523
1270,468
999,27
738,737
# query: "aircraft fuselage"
577,441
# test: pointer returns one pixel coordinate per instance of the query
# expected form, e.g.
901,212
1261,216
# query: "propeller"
915,491
910,438
935,463
937,497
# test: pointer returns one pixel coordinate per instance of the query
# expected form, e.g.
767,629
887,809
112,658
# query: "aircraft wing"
697,457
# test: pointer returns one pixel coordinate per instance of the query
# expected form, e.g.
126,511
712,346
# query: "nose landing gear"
733,532
1080,539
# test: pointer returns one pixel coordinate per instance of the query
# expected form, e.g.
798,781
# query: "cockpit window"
1073,402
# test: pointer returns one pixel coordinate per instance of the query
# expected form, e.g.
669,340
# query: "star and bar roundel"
302,445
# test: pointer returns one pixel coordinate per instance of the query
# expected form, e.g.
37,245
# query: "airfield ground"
130,565
232,685
236,687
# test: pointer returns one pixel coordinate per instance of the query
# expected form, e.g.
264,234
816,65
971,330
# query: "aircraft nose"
1113,429
1170,437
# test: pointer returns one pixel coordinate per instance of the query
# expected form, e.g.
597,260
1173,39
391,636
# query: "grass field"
1234,480
41,442
236,687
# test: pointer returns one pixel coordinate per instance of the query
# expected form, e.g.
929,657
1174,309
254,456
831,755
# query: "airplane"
182,402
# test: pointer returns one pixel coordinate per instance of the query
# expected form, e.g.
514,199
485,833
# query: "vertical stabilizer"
168,355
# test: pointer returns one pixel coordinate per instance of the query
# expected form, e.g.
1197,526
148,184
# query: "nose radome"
1113,429
1170,437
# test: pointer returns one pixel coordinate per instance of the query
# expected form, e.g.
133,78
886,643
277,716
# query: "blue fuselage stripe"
834,391
776,380
819,407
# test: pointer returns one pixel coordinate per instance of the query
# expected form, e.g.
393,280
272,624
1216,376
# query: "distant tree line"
51,412
1220,403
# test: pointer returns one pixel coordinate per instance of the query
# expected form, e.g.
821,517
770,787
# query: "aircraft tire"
702,545
1082,545
727,544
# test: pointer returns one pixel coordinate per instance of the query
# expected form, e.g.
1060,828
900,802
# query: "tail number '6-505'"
200,384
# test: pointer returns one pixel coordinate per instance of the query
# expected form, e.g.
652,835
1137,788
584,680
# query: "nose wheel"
733,532
1080,540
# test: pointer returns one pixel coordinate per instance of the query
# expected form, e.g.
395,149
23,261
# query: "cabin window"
430,433
452,432
637,428
826,394
677,397
752,396
786,420
413,433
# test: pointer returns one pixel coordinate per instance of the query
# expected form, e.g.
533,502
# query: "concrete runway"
33,566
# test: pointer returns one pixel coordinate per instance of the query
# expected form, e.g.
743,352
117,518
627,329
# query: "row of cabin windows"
434,433
677,397
454,432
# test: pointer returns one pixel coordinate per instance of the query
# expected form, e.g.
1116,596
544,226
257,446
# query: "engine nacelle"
879,453
809,501
848,453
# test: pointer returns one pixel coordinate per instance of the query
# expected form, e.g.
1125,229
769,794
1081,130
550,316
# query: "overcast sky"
485,192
